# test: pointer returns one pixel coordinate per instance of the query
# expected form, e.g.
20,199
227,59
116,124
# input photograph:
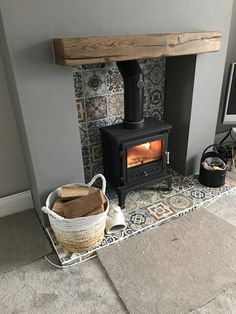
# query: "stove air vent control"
140,84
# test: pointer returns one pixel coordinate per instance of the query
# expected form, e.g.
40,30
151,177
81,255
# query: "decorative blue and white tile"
87,174
78,84
160,210
130,205
83,128
114,80
81,111
94,130
155,96
76,69
194,180
111,193
105,80
230,183
93,66
96,152
198,195
179,202
163,192
94,82
86,155
116,105
153,112
181,183
139,220
96,108
144,197
154,75
111,238
96,168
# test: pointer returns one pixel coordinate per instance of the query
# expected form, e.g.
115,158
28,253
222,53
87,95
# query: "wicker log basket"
79,234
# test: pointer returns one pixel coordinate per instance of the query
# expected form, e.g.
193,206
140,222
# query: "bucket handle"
214,145
103,181
50,212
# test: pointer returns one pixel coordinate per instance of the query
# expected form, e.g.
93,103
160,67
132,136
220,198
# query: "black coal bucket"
213,167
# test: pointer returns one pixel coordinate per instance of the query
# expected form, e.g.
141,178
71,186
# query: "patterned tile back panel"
100,102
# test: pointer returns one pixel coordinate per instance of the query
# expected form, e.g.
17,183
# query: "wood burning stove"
135,152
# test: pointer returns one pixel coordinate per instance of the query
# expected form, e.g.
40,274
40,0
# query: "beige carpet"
175,268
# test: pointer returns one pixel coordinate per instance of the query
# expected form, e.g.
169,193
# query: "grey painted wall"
43,94
13,177
230,57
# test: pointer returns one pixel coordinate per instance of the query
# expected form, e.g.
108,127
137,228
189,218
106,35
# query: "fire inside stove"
144,153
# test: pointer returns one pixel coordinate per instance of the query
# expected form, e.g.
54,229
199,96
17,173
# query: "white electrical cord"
233,161
68,266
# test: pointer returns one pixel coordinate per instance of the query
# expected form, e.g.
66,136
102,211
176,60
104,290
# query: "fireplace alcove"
180,50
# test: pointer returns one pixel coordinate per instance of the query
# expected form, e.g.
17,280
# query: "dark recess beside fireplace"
135,152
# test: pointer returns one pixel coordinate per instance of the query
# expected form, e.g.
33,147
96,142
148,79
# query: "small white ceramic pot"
115,221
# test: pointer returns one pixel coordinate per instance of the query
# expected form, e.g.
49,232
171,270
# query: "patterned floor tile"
163,192
130,205
181,183
194,180
160,210
139,219
144,197
198,194
179,202
230,183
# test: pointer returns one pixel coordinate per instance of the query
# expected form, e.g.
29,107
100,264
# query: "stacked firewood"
77,201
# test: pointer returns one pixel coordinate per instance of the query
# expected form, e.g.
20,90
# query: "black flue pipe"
133,93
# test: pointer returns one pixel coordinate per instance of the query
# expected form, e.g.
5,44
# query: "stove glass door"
145,153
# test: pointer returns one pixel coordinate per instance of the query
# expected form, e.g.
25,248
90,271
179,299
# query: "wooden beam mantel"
87,50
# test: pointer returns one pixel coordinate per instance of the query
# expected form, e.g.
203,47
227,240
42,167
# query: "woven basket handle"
103,181
48,211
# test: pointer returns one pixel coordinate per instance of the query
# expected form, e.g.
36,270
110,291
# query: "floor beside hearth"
40,288
150,207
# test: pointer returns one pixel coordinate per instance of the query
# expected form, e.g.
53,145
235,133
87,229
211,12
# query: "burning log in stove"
144,153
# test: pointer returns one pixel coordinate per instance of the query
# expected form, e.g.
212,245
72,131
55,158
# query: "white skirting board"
15,203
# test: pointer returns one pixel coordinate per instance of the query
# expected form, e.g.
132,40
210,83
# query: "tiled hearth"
148,208
100,102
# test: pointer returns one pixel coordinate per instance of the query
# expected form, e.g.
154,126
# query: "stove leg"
122,197
169,183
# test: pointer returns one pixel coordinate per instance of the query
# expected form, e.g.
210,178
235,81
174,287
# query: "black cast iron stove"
135,152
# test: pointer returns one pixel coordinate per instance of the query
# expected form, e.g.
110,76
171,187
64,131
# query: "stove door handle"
167,157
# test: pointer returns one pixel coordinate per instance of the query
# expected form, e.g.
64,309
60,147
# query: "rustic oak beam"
88,50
